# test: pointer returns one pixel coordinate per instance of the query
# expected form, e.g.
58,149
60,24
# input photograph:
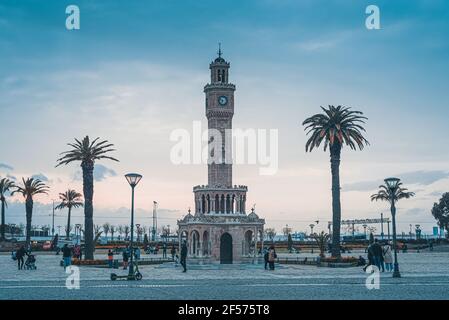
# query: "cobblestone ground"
424,276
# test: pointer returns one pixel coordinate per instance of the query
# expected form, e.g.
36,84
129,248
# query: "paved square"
425,276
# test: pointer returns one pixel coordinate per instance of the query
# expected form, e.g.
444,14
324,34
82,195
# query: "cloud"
11,177
422,177
101,172
41,177
5,166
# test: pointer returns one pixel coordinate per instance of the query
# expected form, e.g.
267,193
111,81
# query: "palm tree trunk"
335,151
88,190
2,231
29,215
68,223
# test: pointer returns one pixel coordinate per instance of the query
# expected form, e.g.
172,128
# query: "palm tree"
6,185
87,152
337,126
113,229
321,240
106,229
70,199
30,188
120,232
126,231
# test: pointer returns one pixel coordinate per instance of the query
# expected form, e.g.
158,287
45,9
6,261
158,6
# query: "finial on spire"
219,50
189,210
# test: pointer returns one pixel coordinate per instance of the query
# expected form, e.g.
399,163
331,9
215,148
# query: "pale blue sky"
135,72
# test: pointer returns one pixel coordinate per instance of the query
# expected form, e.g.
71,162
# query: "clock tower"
220,228
219,112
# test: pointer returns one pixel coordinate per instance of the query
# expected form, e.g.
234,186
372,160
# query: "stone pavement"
425,276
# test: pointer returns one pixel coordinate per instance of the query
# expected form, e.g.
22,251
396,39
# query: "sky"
135,71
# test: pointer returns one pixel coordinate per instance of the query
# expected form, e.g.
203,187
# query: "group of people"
126,255
380,256
269,256
19,255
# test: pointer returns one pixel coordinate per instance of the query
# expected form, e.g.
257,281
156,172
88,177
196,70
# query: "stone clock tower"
219,112
220,228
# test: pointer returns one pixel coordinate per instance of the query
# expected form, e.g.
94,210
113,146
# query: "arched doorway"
226,249
206,245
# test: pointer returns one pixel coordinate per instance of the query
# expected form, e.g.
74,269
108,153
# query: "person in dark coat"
184,256
19,256
67,253
378,255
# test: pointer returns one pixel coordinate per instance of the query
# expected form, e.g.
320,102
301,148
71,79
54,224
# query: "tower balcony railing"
209,188
219,85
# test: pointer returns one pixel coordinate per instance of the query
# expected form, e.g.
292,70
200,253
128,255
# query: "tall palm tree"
6,185
69,199
336,127
392,195
30,188
87,152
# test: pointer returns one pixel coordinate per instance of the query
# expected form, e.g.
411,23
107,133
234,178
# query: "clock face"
222,100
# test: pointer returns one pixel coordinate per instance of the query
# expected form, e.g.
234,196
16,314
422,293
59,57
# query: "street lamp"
13,230
418,231
392,184
133,179
78,227
311,228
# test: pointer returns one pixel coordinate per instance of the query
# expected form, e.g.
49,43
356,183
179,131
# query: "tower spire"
219,50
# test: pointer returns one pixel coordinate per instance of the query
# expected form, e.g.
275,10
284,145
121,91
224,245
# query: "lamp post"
53,220
311,228
13,230
138,232
78,227
392,184
133,179
418,231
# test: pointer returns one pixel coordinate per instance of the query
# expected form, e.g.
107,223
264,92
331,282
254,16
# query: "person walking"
110,258
271,257
370,252
19,256
173,252
67,256
265,257
378,257
184,255
125,257
388,257
164,251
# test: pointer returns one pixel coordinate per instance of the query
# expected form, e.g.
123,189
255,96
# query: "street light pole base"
396,274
